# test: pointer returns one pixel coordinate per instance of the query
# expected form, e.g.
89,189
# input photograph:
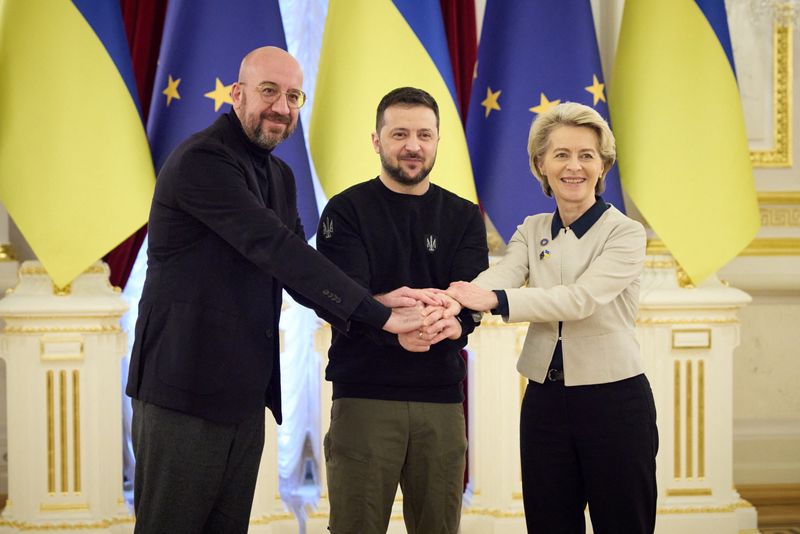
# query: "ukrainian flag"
680,131
75,168
369,48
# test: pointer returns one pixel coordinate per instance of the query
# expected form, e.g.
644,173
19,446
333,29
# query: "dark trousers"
193,475
591,444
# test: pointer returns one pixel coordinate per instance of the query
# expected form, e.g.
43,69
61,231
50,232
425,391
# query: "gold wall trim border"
87,525
779,198
780,155
62,426
272,518
62,507
51,433
725,508
760,246
689,492
76,429
493,512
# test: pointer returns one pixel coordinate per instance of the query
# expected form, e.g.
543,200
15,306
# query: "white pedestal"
62,350
688,336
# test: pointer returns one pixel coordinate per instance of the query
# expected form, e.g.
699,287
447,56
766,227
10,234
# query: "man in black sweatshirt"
397,415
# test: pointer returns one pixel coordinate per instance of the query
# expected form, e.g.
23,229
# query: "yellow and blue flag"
532,56
202,47
369,48
75,170
680,131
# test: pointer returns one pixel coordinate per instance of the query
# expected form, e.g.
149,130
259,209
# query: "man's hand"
445,328
406,296
472,296
405,319
415,341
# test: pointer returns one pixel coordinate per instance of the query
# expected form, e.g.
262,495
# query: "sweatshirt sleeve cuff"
502,303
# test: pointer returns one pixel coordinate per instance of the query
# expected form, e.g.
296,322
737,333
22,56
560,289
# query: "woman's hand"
472,296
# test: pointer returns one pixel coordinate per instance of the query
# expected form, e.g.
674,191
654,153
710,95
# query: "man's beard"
400,176
268,140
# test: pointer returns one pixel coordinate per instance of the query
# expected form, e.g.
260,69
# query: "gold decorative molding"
780,208
773,246
63,507
62,427
780,217
7,252
780,155
271,518
725,508
487,319
64,291
687,320
676,410
51,432
76,429
760,246
492,512
689,430
689,492
701,418
102,329
38,270
780,198
681,339
683,278
86,525
660,264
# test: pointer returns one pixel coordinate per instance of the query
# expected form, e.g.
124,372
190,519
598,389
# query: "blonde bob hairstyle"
569,114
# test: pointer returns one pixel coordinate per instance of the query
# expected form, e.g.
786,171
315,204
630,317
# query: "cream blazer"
591,284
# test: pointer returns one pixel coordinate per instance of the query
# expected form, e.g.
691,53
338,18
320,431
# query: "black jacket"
224,240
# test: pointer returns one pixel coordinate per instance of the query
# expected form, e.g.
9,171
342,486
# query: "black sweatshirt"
385,240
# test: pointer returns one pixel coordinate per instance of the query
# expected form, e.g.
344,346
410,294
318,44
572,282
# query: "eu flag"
532,56
203,44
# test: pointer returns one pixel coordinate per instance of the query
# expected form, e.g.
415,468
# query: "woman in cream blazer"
588,424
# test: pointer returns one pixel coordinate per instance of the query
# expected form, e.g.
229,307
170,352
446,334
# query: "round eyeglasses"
270,93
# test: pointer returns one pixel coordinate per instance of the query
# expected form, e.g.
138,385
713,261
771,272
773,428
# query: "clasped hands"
423,317
427,316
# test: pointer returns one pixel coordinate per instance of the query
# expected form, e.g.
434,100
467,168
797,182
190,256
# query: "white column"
62,349
688,336
8,279
493,501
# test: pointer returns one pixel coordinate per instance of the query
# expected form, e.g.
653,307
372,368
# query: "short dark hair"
409,97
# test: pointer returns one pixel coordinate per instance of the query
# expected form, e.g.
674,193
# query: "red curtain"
462,40
144,22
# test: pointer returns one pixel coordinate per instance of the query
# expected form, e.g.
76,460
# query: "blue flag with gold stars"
532,56
202,46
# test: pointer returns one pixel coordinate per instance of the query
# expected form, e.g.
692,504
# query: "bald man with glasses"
225,239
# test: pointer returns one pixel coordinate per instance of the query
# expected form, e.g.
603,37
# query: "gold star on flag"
544,104
220,95
490,102
172,90
596,89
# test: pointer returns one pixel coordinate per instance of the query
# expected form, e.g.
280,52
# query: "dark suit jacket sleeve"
214,190
348,252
